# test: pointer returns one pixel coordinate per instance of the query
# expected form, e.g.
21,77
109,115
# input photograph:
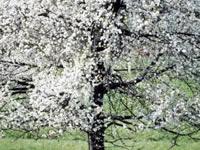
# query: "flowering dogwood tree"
61,60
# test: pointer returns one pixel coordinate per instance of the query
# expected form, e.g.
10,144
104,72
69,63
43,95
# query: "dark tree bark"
96,137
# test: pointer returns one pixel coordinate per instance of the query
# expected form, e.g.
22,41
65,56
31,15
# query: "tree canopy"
62,59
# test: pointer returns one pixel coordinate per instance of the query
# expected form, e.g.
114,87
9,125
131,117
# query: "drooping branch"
17,63
139,79
146,75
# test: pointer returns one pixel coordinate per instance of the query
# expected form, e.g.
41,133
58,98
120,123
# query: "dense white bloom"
59,58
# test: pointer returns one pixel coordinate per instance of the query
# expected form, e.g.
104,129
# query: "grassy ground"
30,144
141,141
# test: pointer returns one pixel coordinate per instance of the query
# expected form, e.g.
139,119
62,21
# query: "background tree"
63,62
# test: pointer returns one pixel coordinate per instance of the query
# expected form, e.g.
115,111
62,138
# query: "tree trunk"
96,137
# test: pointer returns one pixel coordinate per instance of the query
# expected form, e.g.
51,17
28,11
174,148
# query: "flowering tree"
62,61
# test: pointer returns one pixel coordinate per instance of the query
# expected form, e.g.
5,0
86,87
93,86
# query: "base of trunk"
96,136
96,140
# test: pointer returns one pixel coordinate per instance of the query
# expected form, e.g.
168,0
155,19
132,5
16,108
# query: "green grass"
30,144
148,140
